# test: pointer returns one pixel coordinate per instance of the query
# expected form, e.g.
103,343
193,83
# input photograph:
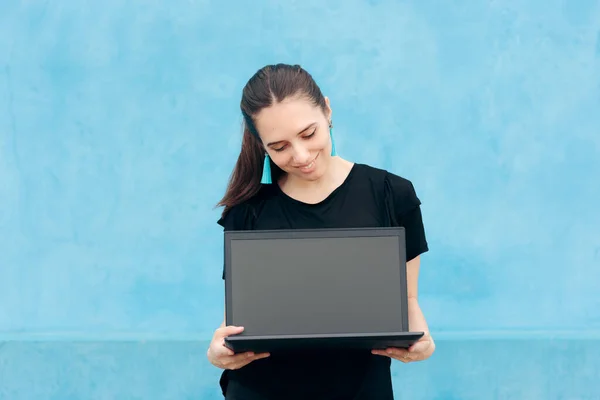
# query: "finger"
246,357
379,352
243,361
402,355
222,351
239,358
229,330
398,354
258,357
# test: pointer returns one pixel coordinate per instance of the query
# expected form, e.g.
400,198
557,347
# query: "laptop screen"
324,285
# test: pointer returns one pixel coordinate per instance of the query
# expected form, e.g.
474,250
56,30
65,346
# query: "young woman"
288,176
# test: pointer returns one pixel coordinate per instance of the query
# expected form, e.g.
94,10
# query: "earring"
266,175
333,150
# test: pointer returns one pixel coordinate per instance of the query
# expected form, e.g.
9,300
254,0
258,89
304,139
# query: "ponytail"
244,182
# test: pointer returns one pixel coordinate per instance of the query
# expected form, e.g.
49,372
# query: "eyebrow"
299,133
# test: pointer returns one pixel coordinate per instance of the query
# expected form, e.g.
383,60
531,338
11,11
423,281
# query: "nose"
301,155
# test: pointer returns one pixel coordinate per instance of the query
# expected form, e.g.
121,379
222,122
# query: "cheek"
324,141
320,142
281,159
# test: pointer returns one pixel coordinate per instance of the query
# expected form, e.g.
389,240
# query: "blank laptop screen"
317,285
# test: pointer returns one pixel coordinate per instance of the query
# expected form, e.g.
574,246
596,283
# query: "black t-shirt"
369,197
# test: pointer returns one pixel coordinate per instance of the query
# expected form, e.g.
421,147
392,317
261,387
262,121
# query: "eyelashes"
280,149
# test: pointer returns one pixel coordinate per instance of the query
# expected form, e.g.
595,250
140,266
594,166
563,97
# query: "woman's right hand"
224,358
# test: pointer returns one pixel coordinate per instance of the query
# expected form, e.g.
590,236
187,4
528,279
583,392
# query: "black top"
369,197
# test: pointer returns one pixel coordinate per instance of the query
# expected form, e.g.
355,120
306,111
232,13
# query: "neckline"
326,199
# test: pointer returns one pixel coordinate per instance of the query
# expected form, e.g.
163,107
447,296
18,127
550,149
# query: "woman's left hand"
421,350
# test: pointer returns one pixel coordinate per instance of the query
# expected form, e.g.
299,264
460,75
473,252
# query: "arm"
404,207
412,277
425,347
416,319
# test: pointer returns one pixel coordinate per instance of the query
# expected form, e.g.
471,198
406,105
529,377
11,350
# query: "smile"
309,166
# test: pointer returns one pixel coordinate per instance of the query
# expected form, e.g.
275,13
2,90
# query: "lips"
309,166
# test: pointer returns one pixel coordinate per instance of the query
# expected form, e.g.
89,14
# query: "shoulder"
404,209
242,216
234,218
396,188
402,191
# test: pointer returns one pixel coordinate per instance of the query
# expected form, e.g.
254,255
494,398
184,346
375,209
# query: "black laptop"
325,288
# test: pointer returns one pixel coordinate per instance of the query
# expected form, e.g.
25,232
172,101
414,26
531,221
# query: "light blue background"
119,126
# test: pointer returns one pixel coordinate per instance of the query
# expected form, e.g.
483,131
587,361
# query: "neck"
313,191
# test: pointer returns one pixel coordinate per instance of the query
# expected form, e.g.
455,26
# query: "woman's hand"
224,358
423,348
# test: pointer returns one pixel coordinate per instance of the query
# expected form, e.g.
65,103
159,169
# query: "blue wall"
119,126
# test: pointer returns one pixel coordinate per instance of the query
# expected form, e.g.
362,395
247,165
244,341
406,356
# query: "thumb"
231,330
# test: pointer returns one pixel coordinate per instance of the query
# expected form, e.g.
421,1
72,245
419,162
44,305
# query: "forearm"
425,346
416,319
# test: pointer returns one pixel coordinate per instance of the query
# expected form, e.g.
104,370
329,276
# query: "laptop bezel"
399,232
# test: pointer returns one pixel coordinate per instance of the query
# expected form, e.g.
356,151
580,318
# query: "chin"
313,176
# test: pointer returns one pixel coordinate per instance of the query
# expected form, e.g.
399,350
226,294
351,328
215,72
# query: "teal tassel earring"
333,151
266,175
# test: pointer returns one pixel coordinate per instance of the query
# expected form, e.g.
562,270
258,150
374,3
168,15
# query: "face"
295,134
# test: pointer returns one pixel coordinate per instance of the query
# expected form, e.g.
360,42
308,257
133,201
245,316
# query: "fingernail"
389,351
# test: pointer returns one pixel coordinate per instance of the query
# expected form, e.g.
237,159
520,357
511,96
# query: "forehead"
286,118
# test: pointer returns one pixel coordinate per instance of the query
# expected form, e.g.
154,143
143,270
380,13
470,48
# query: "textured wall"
119,126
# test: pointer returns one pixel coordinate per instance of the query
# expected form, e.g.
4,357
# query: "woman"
288,176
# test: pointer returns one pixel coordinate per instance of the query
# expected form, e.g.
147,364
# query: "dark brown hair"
269,85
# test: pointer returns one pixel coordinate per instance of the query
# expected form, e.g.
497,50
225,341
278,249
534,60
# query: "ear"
328,110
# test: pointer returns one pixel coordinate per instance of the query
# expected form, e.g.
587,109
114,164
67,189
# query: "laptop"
311,289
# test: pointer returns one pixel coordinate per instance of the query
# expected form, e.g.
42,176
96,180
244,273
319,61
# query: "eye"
310,135
282,148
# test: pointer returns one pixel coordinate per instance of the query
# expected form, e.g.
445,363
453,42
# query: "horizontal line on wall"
545,334
129,336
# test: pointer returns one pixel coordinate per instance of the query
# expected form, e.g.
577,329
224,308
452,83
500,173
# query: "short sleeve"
238,218
405,208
